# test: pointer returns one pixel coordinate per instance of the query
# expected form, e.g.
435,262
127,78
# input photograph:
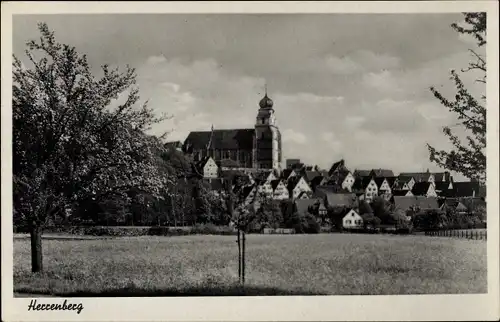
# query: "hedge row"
124,231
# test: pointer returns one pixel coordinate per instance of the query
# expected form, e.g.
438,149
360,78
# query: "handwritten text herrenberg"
55,307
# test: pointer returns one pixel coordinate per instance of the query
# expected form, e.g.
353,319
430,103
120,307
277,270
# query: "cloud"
352,86
293,136
156,59
361,61
331,141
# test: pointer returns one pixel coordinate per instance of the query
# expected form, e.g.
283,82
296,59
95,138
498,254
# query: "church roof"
266,102
230,139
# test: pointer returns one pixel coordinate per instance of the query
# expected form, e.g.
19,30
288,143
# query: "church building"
252,149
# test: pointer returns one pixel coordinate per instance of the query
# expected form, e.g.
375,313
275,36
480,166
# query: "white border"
294,308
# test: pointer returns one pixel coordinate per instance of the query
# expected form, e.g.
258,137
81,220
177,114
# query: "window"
348,222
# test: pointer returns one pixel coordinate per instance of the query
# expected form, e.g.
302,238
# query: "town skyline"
338,93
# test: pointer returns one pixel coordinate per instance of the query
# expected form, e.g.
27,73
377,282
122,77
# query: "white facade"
371,190
300,187
281,192
210,170
431,192
348,182
265,189
352,220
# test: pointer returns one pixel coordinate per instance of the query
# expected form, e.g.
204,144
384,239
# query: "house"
362,173
381,173
288,173
333,198
237,177
424,188
419,176
404,182
290,163
305,195
384,188
176,145
309,176
207,167
296,186
444,189
311,206
280,191
365,186
474,204
414,203
468,189
347,180
265,189
337,166
442,177
454,204
264,176
401,193
318,181
352,220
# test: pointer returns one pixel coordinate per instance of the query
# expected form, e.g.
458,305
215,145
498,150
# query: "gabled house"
305,195
468,189
404,182
207,167
454,204
309,176
352,220
402,193
333,198
305,206
264,176
419,176
443,177
365,186
381,173
444,189
362,173
288,173
296,186
318,181
384,188
415,203
337,166
424,188
280,191
347,180
265,189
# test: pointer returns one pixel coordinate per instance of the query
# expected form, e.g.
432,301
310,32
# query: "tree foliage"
467,158
69,143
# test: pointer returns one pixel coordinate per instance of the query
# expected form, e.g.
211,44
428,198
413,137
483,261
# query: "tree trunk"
243,260
36,248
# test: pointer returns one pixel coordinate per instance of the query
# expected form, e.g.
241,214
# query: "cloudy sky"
352,86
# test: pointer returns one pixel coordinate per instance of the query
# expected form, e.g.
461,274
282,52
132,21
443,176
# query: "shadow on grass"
188,292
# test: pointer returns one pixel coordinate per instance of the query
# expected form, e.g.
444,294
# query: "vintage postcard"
238,161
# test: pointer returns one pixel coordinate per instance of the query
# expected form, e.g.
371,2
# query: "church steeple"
266,102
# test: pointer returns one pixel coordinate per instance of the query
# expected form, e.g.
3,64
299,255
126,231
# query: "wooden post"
239,254
243,260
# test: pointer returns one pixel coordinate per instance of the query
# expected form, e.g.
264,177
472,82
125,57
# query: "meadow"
324,264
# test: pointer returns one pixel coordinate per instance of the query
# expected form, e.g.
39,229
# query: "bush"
313,227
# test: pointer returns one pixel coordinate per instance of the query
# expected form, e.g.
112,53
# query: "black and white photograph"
249,154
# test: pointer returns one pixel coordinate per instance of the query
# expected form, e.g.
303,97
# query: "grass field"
325,264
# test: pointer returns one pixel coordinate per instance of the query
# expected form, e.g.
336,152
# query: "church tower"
267,137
